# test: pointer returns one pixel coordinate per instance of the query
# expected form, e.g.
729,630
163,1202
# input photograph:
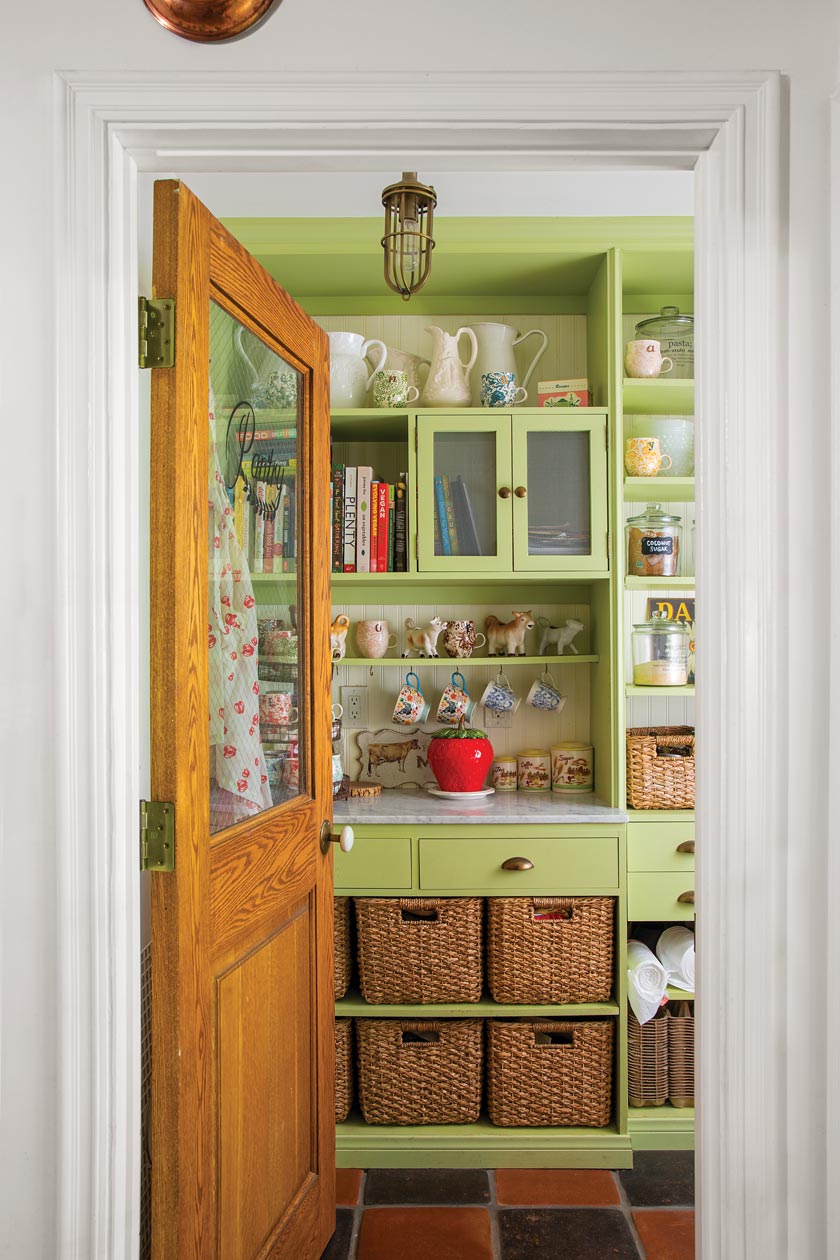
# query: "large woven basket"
680,1025
420,949
341,929
647,1061
418,1071
549,1072
654,779
550,949
343,1068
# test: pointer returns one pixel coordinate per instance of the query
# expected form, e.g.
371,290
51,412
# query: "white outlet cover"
354,702
492,718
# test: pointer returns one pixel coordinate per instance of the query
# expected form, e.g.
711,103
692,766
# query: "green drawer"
460,863
378,859
654,846
655,895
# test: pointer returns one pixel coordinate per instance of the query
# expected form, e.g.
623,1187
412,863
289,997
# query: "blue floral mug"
544,695
499,389
499,696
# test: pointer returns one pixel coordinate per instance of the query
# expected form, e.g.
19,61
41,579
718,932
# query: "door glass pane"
256,739
559,506
464,508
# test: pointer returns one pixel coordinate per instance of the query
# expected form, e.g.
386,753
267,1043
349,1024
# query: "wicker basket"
550,1072
550,949
680,1024
343,1068
647,1061
420,1071
341,930
655,781
420,949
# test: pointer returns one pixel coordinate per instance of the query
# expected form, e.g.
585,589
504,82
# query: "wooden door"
242,1003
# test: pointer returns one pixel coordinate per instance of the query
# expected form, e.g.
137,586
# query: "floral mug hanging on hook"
210,21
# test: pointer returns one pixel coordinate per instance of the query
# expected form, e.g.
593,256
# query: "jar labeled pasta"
675,334
653,543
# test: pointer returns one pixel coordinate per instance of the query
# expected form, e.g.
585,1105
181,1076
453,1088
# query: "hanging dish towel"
675,950
647,981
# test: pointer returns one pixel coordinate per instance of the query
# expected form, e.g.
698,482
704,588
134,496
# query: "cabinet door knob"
504,492
518,864
686,898
345,838
687,846
520,492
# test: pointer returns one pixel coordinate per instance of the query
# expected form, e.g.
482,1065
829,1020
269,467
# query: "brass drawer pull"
687,846
504,492
520,492
518,864
687,898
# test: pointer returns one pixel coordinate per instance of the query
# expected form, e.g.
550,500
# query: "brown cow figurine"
510,635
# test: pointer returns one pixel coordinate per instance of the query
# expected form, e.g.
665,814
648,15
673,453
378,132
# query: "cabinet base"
664,1128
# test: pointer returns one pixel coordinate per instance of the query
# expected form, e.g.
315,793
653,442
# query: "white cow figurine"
560,636
422,640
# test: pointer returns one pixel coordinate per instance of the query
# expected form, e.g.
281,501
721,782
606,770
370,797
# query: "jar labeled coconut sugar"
653,543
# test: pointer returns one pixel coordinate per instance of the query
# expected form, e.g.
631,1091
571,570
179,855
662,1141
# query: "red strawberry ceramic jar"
460,758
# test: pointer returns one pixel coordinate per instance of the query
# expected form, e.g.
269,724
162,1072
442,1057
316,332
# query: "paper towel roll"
675,950
647,981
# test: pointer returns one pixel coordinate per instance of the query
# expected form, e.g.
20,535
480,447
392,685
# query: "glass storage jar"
660,652
654,541
675,334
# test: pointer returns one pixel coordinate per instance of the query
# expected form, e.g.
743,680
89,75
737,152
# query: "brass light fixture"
408,244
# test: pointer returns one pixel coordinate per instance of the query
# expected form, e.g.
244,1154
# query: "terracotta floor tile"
348,1182
666,1235
660,1179
570,1234
556,1187
338,1248
418,1233
458,1186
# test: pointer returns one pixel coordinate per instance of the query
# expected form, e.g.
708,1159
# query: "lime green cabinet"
380,859
522,492
494,866
660,895
661,846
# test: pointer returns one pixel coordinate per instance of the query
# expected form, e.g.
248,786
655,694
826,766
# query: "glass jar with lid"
654,542
660,652
675,334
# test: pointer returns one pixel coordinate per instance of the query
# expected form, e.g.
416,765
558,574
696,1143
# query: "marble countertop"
399,808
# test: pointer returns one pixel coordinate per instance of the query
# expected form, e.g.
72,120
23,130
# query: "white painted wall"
801,40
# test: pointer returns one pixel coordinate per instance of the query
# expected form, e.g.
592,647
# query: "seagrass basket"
341,931
550,1072
647,1061
418,1071
550,949
420,949
343,1069
680,1024
656,777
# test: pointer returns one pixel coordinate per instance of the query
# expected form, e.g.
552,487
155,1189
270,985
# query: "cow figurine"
384,754
422,640
509,636
560,636
338,636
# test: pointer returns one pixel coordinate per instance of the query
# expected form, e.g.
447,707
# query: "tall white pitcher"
495,353
349,376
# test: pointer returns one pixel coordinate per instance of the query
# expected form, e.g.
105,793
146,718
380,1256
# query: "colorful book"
450,516
338,518
268,544
259,528
350,520
374,527
441,516
364,478
400,526
382,527
464,518
392,504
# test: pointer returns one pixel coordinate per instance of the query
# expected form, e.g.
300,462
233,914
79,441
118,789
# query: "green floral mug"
391,389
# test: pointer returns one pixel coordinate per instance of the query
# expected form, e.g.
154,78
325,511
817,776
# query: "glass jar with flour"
660,652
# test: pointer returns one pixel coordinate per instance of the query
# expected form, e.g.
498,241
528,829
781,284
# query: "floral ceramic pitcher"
448,382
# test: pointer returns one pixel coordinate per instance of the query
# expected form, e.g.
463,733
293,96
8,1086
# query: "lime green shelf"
660,583
367,587
658,489
630,690
446,662
369,424
659,397
659,815
355,1005
664,1128
679,995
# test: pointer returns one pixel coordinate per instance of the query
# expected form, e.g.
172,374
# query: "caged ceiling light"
408,244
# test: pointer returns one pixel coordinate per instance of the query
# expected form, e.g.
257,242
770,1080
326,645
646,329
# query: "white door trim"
732,126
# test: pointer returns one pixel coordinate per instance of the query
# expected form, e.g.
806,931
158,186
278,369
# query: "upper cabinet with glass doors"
512,492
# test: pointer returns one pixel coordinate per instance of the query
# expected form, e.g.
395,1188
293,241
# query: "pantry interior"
586,281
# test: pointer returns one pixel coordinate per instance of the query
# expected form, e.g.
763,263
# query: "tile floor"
517,1214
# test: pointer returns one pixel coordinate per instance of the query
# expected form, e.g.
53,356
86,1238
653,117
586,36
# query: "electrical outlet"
354,701
493,718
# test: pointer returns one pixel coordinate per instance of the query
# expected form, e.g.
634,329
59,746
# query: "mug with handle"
643,457
412,706
499,695
455,703
545,696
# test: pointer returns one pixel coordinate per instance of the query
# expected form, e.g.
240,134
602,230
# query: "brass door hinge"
157,836
156,332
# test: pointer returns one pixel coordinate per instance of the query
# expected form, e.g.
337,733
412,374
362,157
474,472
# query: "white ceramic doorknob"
345,839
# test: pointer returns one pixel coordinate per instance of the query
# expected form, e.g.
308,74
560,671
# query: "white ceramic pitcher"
495,353
349,376
448,382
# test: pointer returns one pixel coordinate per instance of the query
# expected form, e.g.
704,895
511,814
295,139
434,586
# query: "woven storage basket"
654,781
341,929
680,1025
532,1080
420,949
343,1068
550,949
420,1071
647,1061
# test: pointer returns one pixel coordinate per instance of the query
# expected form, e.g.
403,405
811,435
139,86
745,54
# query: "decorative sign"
267,467
676,609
